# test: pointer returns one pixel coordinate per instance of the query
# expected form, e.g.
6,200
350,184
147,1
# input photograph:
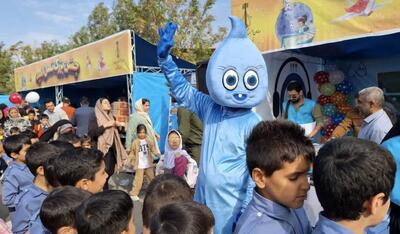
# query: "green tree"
100,24
6,70
79,38
195,37
123,14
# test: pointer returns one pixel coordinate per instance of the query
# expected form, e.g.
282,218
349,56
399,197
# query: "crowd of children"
57,186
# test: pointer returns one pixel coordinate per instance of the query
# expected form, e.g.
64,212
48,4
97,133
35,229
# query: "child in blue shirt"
17,175
353,179
81,168
30,200
278,159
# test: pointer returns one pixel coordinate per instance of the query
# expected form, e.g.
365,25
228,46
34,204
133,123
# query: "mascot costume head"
236,73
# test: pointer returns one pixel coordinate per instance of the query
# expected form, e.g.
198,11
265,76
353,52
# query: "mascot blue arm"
237,81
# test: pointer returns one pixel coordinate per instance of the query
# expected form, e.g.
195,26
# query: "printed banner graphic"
276,24
109,57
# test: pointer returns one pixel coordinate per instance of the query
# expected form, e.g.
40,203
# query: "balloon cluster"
334,99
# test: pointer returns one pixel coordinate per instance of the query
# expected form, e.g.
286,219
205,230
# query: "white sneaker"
135,198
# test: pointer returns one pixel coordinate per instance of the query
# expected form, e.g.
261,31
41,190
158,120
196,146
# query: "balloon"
329,109
15,98
344,108
327,89
321,77
344,87
327,121
328,130
336,77
32,97
337,118
338,98
322,99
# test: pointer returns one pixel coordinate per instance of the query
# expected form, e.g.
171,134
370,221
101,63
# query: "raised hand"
166,39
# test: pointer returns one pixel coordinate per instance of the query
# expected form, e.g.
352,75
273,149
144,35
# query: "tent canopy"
146,55
359,48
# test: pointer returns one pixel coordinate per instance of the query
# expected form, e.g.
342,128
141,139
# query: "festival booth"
121,66
334,48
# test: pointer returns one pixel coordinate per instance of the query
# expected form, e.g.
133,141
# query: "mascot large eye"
230,79
250,80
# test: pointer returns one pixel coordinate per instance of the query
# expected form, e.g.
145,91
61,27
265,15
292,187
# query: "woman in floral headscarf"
141,116
15,120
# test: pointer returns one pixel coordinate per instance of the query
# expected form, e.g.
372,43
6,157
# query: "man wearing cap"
66,106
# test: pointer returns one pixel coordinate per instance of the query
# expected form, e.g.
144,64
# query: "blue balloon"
337,118
344,87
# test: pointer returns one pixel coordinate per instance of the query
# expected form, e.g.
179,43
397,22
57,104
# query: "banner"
111,56
283,24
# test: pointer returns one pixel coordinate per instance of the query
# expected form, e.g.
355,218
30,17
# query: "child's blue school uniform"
265,216
16,177
327,226
27,204
36,226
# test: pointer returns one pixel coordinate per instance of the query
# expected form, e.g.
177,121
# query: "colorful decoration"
337,118
327,89
15,98
329,109
336,77
321,77
338,98
344,108
322,99
344,87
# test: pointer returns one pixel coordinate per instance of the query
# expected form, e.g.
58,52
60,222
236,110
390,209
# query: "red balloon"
321,77
324,99
15,98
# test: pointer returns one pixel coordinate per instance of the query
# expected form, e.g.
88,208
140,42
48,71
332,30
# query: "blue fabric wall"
153,86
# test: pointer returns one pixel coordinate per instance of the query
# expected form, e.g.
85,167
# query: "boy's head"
353,179
44,119
62,146
278,159
108,212
16,146
32,135
14,131
70,137
163,189
38,155
174,139
31,114
82,168
141,131
186,217
58,209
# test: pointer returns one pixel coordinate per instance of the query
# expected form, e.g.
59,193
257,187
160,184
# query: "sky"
34,21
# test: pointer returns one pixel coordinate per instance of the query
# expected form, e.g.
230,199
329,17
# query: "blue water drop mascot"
237,81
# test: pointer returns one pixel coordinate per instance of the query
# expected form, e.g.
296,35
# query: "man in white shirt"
54,114
376,123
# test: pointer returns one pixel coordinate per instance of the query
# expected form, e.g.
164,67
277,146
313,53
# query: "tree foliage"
195,37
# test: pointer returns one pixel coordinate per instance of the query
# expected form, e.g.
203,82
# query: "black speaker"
201,69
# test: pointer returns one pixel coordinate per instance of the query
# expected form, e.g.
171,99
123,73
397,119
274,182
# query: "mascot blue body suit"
237,81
